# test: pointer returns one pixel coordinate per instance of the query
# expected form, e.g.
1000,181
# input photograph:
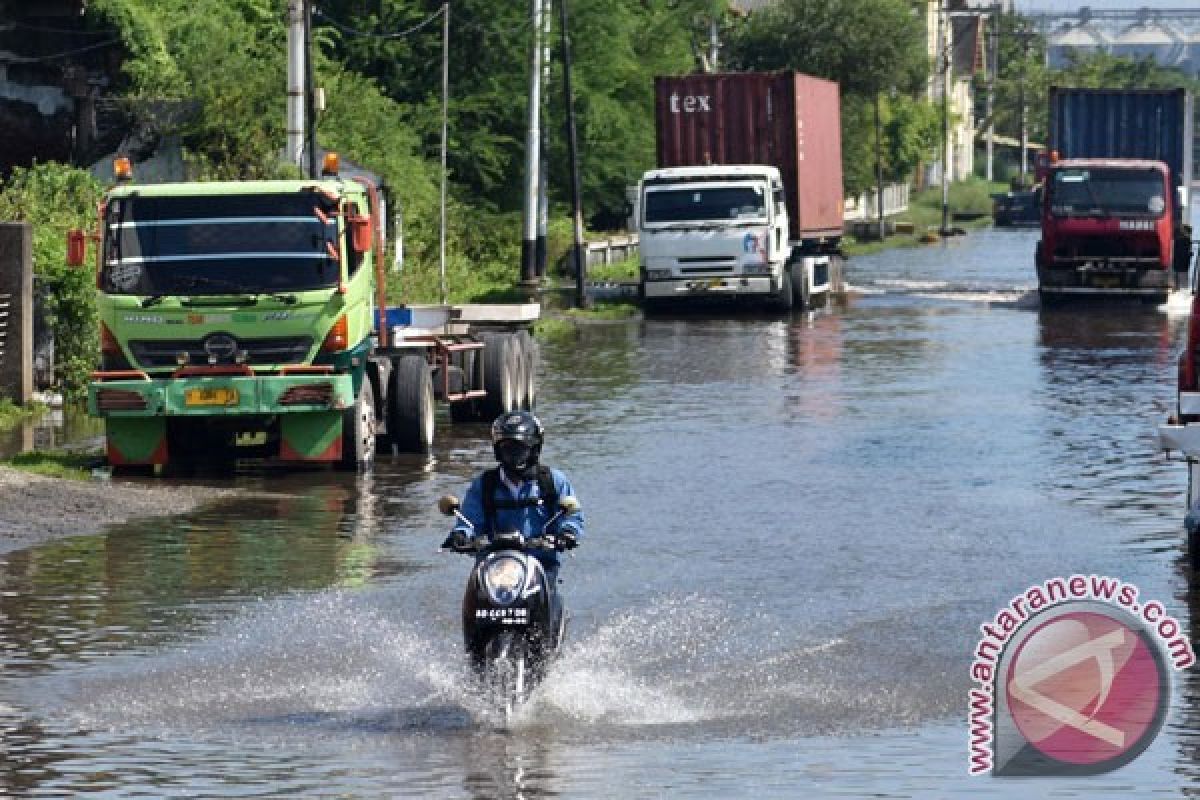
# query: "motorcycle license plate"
503,616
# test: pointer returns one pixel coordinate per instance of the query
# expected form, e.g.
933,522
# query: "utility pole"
993,40
944,47
543,222
297,57
533,140
310,92
714,43
1021,100
581,298
445,141
879,170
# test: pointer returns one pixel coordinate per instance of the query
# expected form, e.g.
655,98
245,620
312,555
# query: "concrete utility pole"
1021,100
295,83
445,142
314,169
533,141
993,40
944,48
714,44
543,223
581,298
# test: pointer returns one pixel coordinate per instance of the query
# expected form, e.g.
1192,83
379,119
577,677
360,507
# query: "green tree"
873,48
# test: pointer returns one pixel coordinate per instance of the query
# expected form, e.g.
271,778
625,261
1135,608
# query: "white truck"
746,201
722,231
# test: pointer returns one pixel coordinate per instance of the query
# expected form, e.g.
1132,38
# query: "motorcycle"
512,615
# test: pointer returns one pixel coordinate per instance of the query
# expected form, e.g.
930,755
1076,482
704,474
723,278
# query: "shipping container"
1151,124
786,120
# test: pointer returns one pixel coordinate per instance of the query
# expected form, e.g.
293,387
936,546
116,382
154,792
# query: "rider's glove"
457,540
568,540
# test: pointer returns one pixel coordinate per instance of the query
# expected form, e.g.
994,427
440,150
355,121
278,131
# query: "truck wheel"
529,354
358,430
801,290
500,374
784,300
467,410
410,405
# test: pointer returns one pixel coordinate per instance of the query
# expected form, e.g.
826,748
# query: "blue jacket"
529,520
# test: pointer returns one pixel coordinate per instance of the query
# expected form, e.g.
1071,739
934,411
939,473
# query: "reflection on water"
795,528
52,430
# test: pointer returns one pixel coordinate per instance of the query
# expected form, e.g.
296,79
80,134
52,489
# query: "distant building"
1170,37
53,73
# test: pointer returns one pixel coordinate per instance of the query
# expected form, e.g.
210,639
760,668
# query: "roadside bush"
54,198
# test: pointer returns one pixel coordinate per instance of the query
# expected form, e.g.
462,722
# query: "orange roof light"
330,167
123,169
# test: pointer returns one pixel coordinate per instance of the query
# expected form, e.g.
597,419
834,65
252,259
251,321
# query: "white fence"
864,207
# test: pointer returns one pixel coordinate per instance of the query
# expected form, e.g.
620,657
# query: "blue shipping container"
1125,123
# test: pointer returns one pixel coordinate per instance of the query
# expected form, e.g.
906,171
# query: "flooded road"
795,528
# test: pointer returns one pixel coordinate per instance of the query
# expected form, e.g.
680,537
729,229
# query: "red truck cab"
1108,227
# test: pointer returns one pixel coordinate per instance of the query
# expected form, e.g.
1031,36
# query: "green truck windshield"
703,204
208,244
1108,190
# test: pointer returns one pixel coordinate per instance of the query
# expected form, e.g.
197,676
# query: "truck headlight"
503,579
658,274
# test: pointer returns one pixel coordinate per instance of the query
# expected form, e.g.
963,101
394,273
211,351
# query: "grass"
12,414
626,270
925,215
55,464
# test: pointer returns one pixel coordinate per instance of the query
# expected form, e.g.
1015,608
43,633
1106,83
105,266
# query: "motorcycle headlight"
503,579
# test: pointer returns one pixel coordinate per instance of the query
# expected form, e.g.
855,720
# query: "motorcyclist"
523,493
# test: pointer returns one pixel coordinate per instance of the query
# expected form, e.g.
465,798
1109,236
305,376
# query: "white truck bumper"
716,287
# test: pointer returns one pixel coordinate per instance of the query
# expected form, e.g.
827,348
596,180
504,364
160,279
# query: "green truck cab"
247,319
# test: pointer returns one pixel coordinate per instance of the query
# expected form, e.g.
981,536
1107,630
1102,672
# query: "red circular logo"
1086,688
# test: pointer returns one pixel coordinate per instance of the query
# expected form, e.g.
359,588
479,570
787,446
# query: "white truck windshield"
705,204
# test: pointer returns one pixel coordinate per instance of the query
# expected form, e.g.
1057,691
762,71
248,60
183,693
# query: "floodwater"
795,528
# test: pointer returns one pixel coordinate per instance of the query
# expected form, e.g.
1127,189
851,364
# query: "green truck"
248,320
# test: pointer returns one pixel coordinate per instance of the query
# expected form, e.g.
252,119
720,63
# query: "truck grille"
1107,248
162,352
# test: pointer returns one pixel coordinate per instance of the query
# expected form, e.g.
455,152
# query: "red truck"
1115,199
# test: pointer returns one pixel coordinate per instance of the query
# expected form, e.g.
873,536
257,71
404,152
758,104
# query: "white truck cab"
717,231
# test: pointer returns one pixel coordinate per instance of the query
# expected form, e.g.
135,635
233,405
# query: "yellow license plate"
223,396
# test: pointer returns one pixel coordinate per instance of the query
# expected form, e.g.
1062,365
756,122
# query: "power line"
346,29
55,56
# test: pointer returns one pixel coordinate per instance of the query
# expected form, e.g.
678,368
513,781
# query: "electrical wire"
56,56
46,29
346,29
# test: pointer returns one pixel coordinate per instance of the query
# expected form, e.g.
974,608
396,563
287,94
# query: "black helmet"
517,443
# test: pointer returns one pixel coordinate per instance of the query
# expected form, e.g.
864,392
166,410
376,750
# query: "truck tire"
358,430
500,374
467,410
784,300
529,354
410,405
801,290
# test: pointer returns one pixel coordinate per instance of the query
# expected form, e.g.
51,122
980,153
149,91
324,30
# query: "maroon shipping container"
783,119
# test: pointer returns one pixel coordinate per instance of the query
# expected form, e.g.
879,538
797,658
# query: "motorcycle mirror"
448,504
569,505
